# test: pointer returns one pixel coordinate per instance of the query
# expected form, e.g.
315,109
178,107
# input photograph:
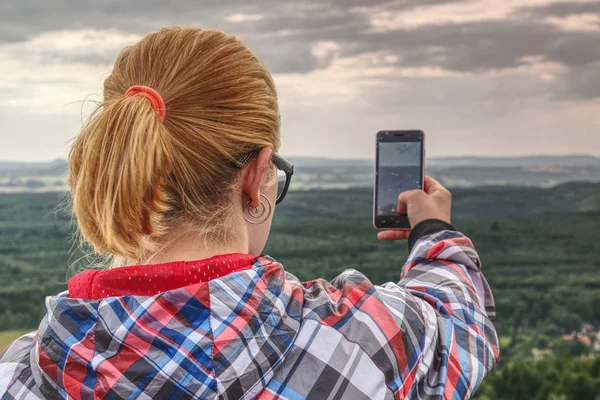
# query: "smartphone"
399,166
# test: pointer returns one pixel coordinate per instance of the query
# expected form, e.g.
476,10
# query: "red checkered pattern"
258,332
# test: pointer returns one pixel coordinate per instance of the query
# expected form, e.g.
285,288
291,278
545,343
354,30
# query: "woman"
175,178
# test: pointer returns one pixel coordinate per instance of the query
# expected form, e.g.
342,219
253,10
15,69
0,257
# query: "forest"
539,249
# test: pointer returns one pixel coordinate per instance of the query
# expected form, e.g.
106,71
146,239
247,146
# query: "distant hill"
59,166
312,162
56,167
539,170
331,173
574,160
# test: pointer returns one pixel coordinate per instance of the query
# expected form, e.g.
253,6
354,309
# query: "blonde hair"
133,178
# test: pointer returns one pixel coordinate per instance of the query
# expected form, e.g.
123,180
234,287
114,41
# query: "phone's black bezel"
398,221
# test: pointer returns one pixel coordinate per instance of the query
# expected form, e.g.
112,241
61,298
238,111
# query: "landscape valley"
534,221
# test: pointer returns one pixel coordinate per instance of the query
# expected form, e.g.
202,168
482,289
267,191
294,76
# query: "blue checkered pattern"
261,333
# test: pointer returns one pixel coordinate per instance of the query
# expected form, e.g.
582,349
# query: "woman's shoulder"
15,362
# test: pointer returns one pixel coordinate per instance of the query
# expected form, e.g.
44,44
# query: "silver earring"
256,214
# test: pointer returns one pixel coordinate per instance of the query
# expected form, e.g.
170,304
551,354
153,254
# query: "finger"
432,186
402,206
406,197
393,235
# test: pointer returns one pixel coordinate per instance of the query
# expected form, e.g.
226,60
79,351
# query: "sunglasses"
285,170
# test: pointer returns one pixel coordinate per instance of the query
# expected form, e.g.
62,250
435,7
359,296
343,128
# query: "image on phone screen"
399,170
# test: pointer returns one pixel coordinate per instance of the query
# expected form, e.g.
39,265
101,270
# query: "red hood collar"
148,280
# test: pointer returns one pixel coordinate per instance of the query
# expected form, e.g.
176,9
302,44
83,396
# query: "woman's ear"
253,175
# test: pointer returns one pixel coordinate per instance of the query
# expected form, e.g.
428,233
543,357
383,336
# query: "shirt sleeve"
433,226
452,309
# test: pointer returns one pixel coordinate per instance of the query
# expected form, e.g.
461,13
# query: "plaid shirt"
261,333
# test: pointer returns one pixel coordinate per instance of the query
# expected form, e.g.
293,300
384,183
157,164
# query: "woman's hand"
433,202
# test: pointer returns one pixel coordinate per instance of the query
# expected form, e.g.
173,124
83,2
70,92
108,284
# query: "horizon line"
555,155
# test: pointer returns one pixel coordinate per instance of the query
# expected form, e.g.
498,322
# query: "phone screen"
399,168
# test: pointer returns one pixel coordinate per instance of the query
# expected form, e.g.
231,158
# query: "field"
539,248
6,337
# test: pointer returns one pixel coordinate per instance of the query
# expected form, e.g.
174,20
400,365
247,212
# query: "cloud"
577,22
580,82
457,12
240,17
469,68
54,69
563,9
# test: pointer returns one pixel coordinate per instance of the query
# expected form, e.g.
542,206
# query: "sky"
480,77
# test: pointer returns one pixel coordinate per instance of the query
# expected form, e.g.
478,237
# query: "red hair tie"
151,95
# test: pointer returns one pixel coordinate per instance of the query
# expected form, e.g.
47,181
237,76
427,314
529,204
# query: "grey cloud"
390,4
292,53
470,47
487,45
563,9
477,99
21,19
477,113
580,82
286,57
466,47
285,35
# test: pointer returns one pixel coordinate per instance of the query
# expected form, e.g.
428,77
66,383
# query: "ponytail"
118,167
138,178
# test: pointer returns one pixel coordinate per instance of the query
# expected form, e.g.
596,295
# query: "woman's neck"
191,250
